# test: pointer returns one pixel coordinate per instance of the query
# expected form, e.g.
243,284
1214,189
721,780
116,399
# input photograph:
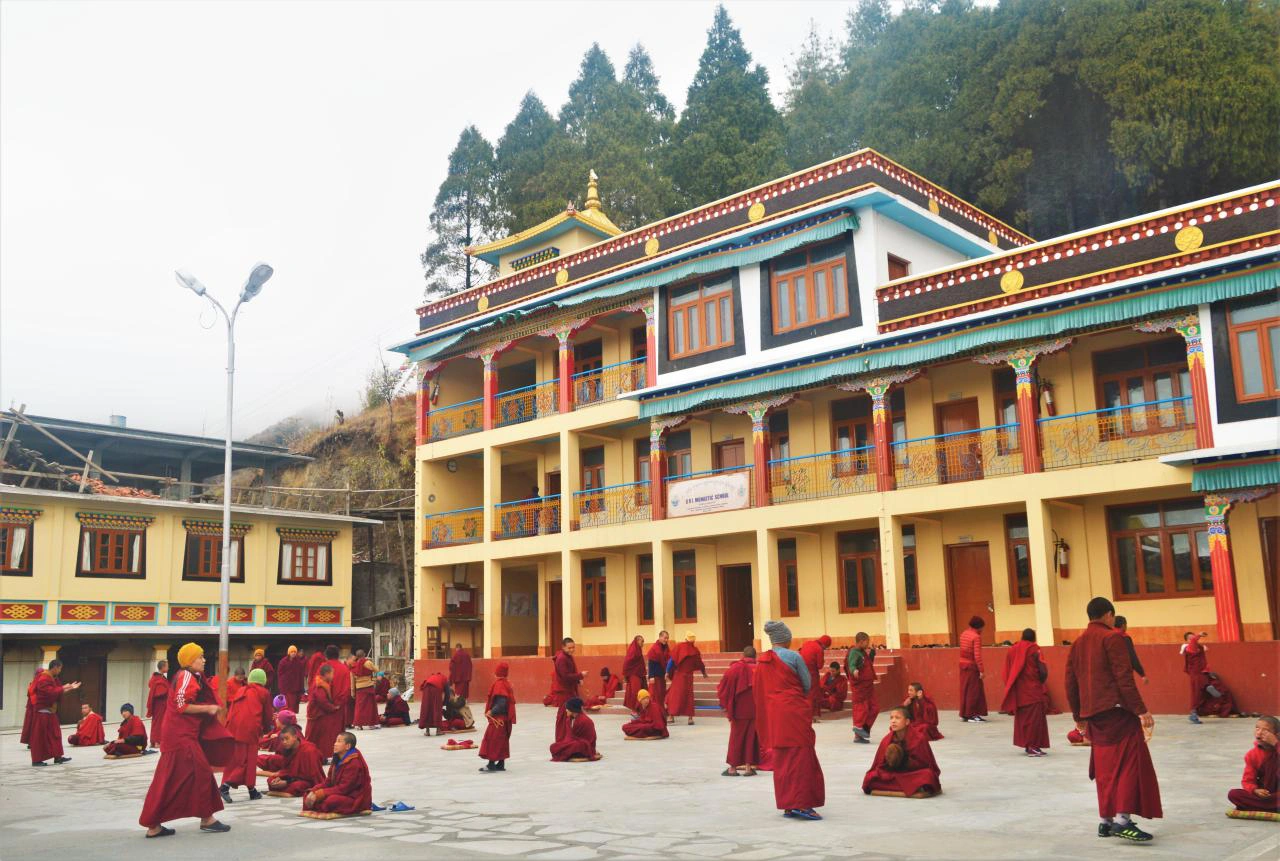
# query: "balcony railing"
829,473
959,456
527,403
618,503
456,419
448,528
605,384
746,470
1115,434
539,515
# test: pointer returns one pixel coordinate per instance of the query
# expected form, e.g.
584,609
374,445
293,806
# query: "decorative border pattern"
542,256
82,613
237,614
213,528
11,516
291,534
324,615
109,520
23,612
274,615
135,614
190,614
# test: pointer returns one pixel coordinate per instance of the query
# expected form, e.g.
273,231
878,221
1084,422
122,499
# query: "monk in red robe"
1261,781
1109,711
234,684
460,671
686,660
248,717
396,712
922,710
500,717
633,672
131,738
973,699
381,687
314,660
349,720
347,789
577,742
784,721
324,718
648,722
431,712
296,768
737,698
339,689
25,736
194,744
1024,694
362,680
271,741
565,680
814,655
158,701
835,688
657,656
291,678
1209,695
46,732
89,731
260,662
861,664
904,761
609,684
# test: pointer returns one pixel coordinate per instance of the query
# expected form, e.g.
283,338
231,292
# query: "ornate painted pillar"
759,413
878,388
1225,600
658,464
565,354
428,371
1188,326
489,357
1022,360
645,306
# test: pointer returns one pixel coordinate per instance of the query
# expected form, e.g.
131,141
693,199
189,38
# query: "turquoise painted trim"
951,434
454,511
1185,399
840,452
913,219
520,501
1236,477
596,490
111,612
604,368
746,467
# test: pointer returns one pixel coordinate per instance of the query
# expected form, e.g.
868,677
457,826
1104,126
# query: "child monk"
347,788
248,717
500,716
1209,695
396,712
324,716
922,709
89,731
649,721
1261,782
132,736
835,688
904,762
578,741
609,685
862,678
296,768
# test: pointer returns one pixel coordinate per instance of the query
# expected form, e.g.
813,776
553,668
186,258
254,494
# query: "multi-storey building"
851,400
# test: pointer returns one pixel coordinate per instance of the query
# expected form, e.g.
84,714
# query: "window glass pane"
677,332
1273,336
1137,517
717,287
693,327
1250,357
802,298
1202,554
1164,391
1152,562
820,296
909,538
850,585
1135,391
1183,579
909,569
1125,560
726,320
646,598
1180,514
685,293
858,542
791,262
1017,526
690,596
602,602
793,588
784,304
1022,570
1125,360
1171,352
1256,313
840,290
823,253
1110,394
709,312
869,577
787,550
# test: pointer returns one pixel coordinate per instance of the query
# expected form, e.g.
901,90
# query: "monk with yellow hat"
649,721
260,662
291,677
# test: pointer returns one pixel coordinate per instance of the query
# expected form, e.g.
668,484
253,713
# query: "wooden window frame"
788,568
110,573
295,543
1008,441
679,576
858,555
190,561
909,552
808,272
1011,559
671,454
640,342
642,576
1270,373
1165,532
7,533
595,594
899,262
1148,373
702,301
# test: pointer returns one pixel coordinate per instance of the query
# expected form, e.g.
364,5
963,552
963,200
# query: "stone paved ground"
658,800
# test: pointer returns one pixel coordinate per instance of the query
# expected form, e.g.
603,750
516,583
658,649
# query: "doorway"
969,589
555,616
959,457
727,455
85,663
737,612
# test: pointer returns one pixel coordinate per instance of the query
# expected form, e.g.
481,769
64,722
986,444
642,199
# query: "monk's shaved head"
326,671
749,652
1099,607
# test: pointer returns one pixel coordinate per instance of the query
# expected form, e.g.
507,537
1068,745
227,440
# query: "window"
203,558
1018,547
1139,375
809,287
684,567
588,387
701,317
594,613
592,480
679,453
639,343
728,454
1255,350
109,548
779,436
909,567
644,569
15,548
304,558
898,268
859,571
1160,550
1005,382
788,577
852,428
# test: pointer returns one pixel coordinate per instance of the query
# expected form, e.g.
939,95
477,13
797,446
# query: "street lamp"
252,287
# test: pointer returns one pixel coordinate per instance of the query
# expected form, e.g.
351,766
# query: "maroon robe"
496,745
313,667
324,718
1196,666
862,691
431,712
918,771
565,679
130,739
265,665
340,691
301,768
396,713
633,670
460,673
346,790
814,654
1261,771
88,732
688,660
578,739
835,689
381,689
784,721
973,698
291,677
194,744
657,657
737,698
46,732
157,705
366,707
25,737
1024,695
248,717
925,710
649,722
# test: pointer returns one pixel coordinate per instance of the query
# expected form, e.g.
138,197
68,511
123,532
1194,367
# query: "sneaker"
1104,829
1195,718
974,719
59,760
1129,831
857,739
39,764
979,719
861,733
254,795
225,792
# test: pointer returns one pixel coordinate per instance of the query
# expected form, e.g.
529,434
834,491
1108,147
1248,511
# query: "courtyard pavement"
661,799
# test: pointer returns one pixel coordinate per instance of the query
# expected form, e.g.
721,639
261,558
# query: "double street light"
252,287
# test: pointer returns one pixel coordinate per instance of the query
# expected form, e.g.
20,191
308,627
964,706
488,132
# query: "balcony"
606,506
456,420
526,404
1117,434
607,383
960,456
539,515
817,476
737,491
450,528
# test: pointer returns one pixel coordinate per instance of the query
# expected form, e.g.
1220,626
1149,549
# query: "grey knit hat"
777,632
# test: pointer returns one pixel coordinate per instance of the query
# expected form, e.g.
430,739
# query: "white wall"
1263,433
923,253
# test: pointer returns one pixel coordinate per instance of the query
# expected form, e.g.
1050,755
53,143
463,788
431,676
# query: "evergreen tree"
460,217
815,127
523,158
640,76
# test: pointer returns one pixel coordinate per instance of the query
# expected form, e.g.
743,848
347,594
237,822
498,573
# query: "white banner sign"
726,492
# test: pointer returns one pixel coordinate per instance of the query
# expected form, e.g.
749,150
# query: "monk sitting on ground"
922,709
609,685
397,711
1209,694
649,721
1261,782
132,736
835,688
346,789
457,715
271,741
89,731
578,741
904,763
296,768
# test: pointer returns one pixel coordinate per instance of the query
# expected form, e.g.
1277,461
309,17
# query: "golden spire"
593,193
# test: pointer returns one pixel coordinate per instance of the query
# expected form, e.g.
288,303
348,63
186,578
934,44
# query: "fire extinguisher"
1046,388
1060,560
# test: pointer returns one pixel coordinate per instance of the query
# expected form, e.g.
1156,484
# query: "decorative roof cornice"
113,520
214,527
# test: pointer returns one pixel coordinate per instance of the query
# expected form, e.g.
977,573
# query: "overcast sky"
137,138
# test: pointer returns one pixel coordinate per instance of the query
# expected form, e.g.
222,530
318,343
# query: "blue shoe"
401,807
808,813
376,808
1195,718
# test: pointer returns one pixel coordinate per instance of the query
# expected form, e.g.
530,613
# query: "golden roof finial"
593,193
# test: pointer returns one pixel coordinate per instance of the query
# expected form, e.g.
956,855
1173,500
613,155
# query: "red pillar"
490,389
651,348
880,433
760,456
1199,392
1028,428
1225,601
566,372
657,470
424,407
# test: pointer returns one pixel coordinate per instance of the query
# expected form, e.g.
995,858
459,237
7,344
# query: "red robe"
862,691
248,717
291,677
25,737
1196,666
265,665
608,690
657,657
381,689
431,712
579,739
496,745
919,771
46,732
347,789
234,685
460,673
973,699
688,660
396,713
633,670
1261,771
88,732
314,663
340,690
924,710
737,697
650,722
157,705
194,744
814,655
835,688
366,710
565,679
131,738
784,721
301,768
1024,695
324,718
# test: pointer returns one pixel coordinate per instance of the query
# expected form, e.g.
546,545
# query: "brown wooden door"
86,664
969,586
726,455
1271,569
959,457
555,617
737,613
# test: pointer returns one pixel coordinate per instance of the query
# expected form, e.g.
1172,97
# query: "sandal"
729,772
163,832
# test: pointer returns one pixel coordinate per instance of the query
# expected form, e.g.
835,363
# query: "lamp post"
252,287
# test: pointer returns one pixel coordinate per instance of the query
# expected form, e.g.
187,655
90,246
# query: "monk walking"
500,717
89,731
347,788
362,683
195,742
1260,786
973,699
686,660
296,768
633,672
158,701
737,697
248,719
324,717
657,656
785,723
1110,713
1024,694
460,671
862,687
814,654
291,677
46,732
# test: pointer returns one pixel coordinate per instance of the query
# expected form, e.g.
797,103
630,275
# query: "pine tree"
523,158
641,77
815,126
461,216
